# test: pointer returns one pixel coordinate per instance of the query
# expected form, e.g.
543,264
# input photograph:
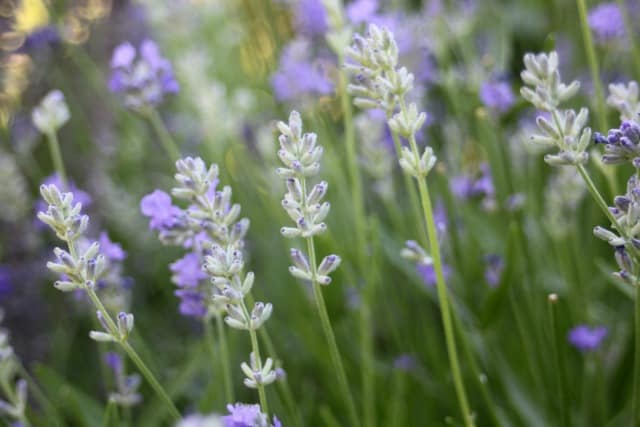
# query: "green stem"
445,306
142,367
443,294
593,64
56,157
224,359
330,336
366,323
563,405
161,130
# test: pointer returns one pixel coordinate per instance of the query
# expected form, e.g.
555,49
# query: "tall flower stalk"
48,117
214,221
80,268
338,38
301,157
379,83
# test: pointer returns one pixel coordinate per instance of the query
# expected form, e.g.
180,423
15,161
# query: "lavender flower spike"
51,114
143,77
566,130
585,338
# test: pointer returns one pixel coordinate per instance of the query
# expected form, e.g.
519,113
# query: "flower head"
143,77
243,415
160,210
51,113
586,338
621,145
311,18
606,22
497,95
299,75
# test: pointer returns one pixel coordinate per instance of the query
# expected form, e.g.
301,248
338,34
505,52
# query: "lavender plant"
81,268
144,78
301,158
211,228
381,84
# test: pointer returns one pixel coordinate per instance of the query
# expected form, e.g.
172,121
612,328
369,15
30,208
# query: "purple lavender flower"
187,271
79,196
158,207
466,187
497,95
113,251
585,338
493,269
621,145
361,11
311,18
428,273
113,361
143,77
298,75
243,415
606,22
6,280
405,362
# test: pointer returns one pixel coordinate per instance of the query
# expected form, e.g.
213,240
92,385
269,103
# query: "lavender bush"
443,230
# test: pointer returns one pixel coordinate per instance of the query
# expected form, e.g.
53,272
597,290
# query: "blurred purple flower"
405,362
311,18
497,95
493,269
361,11
113,361
466,187
191,303
585,338
41,38
187,271
243,415
143,77
113,251
428,273
298,74
606,22
79,196
6,280
158,207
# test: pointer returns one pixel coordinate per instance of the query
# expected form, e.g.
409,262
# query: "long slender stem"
331,338
133,355
224,359
366,323
563,404
593,64
443,294
161,130
445,307
56,157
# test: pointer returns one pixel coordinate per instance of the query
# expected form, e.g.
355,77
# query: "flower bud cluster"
80,268
15,404
51,114
621,145
301,156
626,210
625,99
564,129
379,83
373,62
214,222
142,76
